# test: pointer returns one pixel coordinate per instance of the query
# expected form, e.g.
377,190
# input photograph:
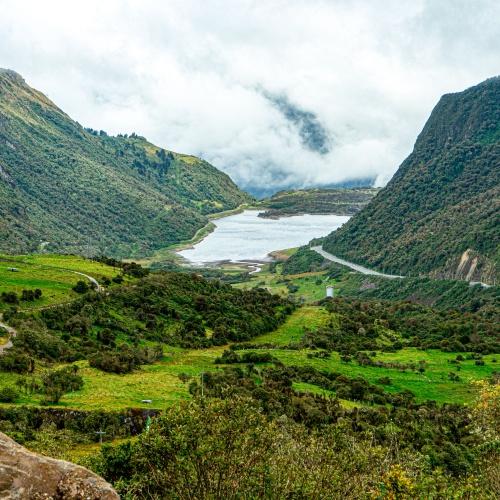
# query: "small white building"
329,291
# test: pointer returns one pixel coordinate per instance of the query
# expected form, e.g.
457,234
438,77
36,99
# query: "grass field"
161,383
432,384
53,274
305,318
311,286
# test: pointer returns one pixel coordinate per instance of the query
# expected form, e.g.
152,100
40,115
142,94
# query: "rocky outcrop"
469,266
27,475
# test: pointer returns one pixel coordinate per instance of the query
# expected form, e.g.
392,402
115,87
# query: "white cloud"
187,74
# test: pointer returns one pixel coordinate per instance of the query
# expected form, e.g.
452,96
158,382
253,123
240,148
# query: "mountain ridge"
76,190
439,213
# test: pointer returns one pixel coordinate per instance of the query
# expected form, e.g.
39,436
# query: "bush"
10,297
8,395
81,287
384,381
124,360
15,361
31,295
57,382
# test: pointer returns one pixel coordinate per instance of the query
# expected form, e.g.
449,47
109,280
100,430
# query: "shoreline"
300,214
170,253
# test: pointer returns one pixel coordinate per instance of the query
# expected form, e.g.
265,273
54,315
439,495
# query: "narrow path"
356,267
90,278
12,333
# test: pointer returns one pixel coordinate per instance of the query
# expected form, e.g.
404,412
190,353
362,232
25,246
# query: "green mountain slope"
68,189
439,214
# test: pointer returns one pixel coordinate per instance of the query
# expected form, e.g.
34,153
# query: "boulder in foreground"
27,475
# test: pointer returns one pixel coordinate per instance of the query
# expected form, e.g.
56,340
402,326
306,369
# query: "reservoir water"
246,237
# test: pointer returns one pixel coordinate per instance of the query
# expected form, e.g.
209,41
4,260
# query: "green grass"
305,318
314,389
161,383
432,384
308,289
50,273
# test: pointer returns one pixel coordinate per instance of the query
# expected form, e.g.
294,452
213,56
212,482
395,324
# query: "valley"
148,303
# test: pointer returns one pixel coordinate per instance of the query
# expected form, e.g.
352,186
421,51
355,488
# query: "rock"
27,475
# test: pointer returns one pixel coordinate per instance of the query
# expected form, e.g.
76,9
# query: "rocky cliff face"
470,266
26,475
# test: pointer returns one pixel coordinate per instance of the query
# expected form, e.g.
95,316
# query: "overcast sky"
275,93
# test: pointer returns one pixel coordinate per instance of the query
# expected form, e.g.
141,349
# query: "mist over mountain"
348,85
312,132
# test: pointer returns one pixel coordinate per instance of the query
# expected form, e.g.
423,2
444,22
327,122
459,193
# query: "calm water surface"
247,237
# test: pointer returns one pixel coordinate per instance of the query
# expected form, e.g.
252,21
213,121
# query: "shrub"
81,287
125,359
15,361
56,383
384,381
10,297
8,395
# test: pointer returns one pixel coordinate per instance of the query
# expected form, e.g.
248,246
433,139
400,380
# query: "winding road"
356,267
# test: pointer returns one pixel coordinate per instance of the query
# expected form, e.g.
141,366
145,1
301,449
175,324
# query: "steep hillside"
439,214
69,189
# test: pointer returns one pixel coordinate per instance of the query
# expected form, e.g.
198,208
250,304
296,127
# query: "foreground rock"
26,475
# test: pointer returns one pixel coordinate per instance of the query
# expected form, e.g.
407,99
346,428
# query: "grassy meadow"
54,274
160,381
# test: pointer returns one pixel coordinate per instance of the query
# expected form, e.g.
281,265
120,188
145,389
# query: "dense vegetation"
284,412
74,190
304,260
441,202
111,330
340,201
441,294
385,325
276,443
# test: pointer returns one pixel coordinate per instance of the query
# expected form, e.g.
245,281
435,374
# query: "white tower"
329,291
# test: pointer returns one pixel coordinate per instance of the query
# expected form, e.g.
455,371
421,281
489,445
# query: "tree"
56,383
10,297
81,287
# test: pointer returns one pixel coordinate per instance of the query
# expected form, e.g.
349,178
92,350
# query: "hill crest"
76,190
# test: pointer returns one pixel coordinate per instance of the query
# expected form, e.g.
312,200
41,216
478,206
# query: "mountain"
68,189
439,215
340,201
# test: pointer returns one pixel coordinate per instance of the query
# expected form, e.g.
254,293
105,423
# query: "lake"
246,237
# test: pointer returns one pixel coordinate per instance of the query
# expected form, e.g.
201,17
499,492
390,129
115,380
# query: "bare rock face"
26,475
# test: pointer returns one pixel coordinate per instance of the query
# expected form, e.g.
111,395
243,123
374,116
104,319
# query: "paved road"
356,267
